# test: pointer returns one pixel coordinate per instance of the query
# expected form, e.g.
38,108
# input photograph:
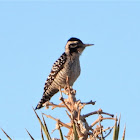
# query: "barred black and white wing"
49,88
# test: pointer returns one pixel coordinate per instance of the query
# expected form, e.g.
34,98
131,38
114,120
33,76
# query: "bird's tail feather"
46,97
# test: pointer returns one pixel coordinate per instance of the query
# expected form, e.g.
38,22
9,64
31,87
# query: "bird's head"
75,46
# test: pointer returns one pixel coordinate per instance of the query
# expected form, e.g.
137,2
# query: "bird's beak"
86,45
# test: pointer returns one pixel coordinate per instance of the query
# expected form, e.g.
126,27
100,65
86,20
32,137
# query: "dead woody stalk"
83,130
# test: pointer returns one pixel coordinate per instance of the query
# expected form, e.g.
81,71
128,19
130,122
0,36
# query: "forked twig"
57,120
62,99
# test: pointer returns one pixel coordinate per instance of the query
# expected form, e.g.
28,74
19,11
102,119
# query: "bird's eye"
73,45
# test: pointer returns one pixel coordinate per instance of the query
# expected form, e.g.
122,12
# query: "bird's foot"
69,90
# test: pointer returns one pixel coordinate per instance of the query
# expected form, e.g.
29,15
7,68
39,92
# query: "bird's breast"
73,70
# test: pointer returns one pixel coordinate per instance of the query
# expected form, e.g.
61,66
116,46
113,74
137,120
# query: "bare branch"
97,112
89,103
57,120
100,119
62,99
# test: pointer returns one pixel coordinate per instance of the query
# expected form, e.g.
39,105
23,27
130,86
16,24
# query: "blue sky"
33,35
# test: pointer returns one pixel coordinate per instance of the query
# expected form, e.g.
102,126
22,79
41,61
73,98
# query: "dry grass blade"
123,137
75,132
61,135
46,129
29,134
115,130
6,134
42,126
42,134
118,128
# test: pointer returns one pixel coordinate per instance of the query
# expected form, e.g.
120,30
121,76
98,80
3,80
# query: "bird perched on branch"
67,65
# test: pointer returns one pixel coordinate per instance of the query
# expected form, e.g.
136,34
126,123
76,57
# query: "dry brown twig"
59,122
74,107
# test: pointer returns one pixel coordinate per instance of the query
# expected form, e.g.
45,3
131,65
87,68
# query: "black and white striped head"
75,46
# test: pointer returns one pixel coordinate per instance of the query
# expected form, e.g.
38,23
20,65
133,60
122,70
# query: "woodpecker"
67,65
